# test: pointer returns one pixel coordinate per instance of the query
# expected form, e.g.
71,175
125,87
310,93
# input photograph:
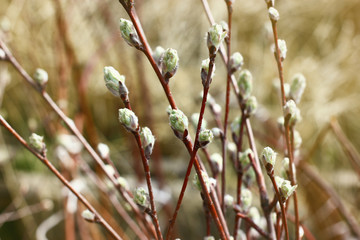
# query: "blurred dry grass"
323,39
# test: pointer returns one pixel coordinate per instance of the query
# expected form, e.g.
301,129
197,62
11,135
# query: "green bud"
205,137
235,128
251,105
216,161
129,33
245,83
240,235
128,119
206,178
249,176
216,35
168,110
140,196
246,198
41,77
178,122
244,157
297,87
109,169
115,82
224,25
36,142
204,70
217,132
147,140
286,190
285,163
103,150
157,54
274,14
209,238
123,183
268,157
170,62
292,112
282,48
297,139
229,200
88,215
236,62
254,214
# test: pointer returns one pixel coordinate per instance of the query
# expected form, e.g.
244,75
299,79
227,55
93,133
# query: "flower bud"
224,25
249,176
115,82
251,105
254,215
274,14
229,200
245,83
205,137
292,112
41,77
285,163
109,169
216,161
2,54
170,62
282,49
246,198
209,238
217,132
204,70
244,157
128,119
129,33
268,157
195,120
179,123
140,196
297,139
235,128
236,62
147,140
104,150
36,142
88,215
123,183
216,35
206,178
286,190
297,87
280,122
157,54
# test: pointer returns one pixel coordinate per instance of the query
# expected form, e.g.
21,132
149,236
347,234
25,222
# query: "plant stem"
147,51
250,222
283,212
287,130
70,124
98,218
227,101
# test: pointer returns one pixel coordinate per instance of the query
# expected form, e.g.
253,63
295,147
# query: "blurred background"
74,40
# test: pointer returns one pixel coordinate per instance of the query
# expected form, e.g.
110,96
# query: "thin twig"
98,218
